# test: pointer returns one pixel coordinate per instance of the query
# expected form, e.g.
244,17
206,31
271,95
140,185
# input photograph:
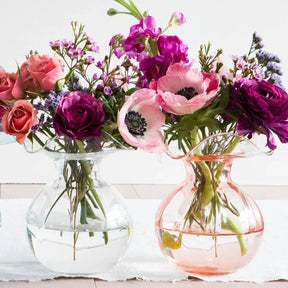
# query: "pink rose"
42,72
8,90
24,82
19,119
140,120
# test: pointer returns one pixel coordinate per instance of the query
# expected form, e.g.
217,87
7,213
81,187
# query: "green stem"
231,225
230,148
91,186
208,190
131,7
90,180
208,187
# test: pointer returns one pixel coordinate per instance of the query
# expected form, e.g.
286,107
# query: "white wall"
30,25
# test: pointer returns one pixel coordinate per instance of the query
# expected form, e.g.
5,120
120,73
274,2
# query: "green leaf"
105,235
168,241
210,123
90,213
83,216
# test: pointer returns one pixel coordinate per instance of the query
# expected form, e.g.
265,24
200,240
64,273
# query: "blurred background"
30,25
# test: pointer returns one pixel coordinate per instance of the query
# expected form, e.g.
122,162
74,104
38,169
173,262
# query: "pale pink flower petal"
184,90
140,121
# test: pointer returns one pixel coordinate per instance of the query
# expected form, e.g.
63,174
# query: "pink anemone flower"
140,120
184,90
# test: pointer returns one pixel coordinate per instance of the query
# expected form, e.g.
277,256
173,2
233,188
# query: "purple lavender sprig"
47,108
259,64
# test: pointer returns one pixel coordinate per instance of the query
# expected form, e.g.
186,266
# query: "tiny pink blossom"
258,73
92,44
234,58
55,44
100,64
66,44
95,48
90,59
103,76
108,91
75,53
241,64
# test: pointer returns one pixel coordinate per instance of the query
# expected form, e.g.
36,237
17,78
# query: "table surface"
139,192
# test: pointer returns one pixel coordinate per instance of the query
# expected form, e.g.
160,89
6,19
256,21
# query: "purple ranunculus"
261,107
79,116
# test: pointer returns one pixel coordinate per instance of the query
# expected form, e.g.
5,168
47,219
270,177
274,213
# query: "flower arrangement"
155,96
48,93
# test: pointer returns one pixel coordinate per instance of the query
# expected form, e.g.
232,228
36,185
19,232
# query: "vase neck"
216,169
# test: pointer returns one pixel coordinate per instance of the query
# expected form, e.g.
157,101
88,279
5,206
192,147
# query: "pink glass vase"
210,226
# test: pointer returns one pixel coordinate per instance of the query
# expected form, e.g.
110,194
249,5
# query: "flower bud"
112,12
177,18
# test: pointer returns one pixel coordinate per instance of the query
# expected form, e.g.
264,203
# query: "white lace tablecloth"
143,259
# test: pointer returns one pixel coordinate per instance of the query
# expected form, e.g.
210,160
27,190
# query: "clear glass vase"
78,224
210,226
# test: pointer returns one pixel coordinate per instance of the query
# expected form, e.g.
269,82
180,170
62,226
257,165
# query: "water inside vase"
210,255
90,255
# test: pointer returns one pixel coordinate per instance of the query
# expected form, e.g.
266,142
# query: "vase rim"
194,155
80,156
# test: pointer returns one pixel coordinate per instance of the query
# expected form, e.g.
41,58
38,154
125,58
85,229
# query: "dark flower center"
135,123
187,92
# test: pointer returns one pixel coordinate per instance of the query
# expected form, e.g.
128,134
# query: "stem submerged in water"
208,175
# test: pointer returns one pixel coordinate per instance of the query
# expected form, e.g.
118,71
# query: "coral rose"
185,90
41,73
8,90
79,116
19,119
140,120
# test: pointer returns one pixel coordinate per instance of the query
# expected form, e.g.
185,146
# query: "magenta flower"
79,116
171,49
261,107
151,68
135,42
185,90
119,52
140,121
